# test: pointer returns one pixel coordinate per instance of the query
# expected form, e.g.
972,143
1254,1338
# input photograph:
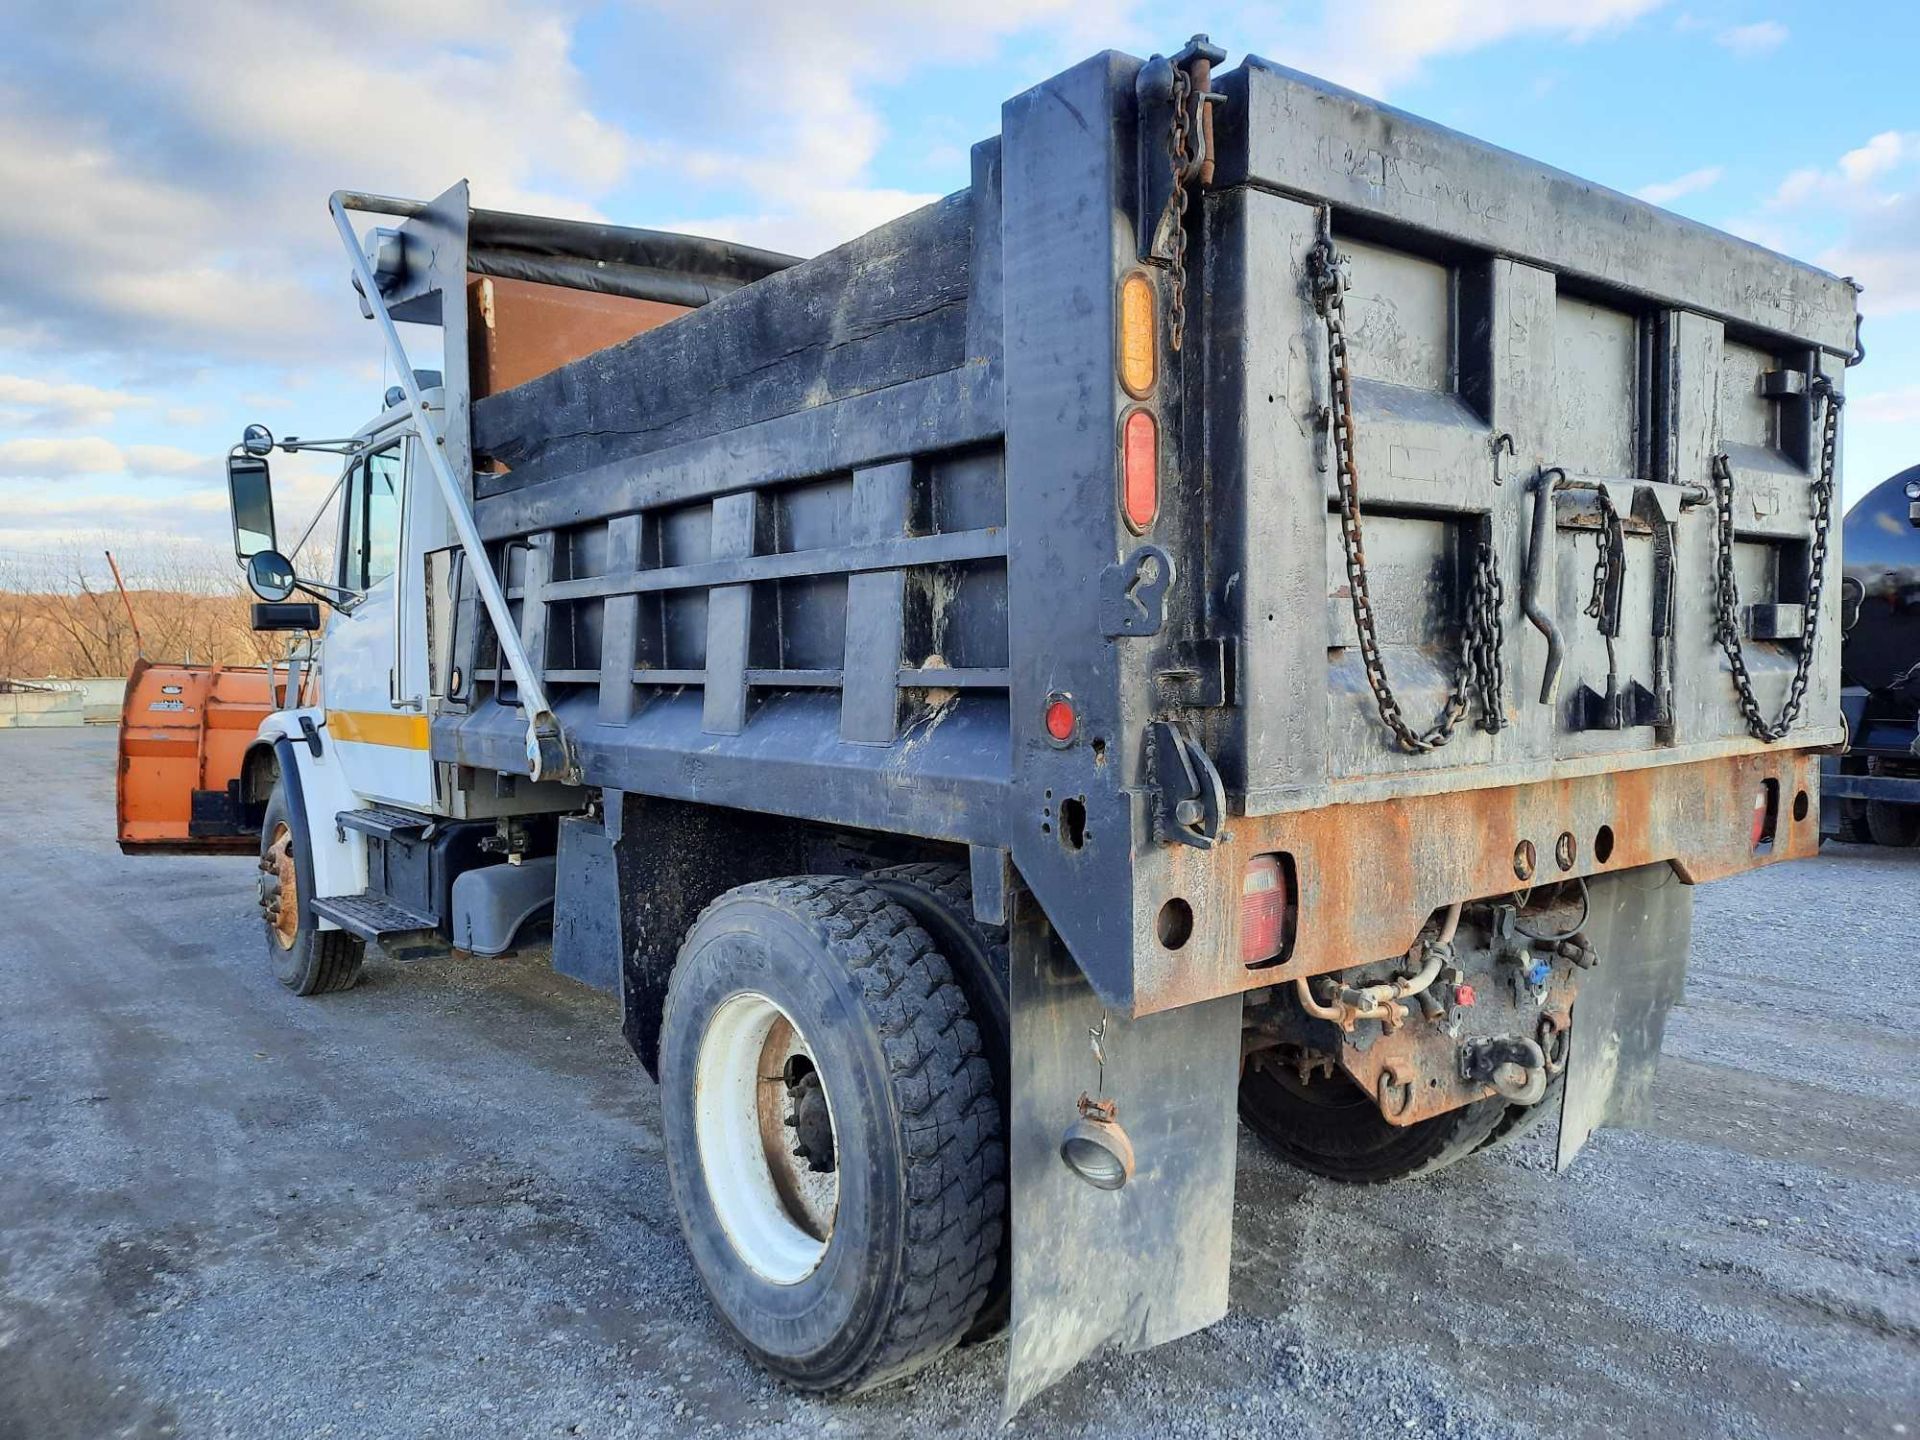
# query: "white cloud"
1667,191
1758,38
166,183
51,458
54,405
1882,153
167,460
1899,406
806,76
1869,194
1373,45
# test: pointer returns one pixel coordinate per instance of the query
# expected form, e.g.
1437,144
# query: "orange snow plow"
184,733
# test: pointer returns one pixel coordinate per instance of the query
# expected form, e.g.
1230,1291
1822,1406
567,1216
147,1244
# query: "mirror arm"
343,600
293,445
326,502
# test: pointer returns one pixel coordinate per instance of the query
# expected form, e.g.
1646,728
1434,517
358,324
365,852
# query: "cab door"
373,675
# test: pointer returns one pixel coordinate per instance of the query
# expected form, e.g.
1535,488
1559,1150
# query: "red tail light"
1140,471
1266,909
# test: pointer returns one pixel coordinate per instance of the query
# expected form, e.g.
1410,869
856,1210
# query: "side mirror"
250,494
270,575
256,440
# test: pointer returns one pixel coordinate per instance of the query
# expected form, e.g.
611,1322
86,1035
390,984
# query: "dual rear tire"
834,1140
1331,1127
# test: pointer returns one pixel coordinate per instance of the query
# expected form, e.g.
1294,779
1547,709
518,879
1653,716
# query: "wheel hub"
809,1118
279,888
763,1121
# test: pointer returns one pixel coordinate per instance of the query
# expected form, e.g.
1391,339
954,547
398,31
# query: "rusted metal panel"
520,330
1371,874
1412,1072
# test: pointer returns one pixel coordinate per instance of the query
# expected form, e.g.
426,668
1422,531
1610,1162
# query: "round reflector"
1060,719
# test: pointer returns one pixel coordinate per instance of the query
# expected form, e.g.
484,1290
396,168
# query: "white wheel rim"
776,1209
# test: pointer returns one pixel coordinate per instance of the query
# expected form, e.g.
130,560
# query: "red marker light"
1060,720
1140,471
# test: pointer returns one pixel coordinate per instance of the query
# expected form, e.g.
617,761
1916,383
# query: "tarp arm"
548,755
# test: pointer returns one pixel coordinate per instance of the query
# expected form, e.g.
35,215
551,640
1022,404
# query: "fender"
317,790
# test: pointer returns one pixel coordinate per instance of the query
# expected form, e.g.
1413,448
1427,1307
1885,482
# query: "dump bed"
883,539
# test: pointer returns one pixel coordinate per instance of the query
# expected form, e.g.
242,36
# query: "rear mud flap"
1639,923
1131,1268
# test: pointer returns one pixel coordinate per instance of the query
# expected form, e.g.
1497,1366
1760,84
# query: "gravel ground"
437,1205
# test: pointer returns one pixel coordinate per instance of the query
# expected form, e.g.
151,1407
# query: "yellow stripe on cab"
371,727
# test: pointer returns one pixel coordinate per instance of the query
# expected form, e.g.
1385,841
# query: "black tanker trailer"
1873,790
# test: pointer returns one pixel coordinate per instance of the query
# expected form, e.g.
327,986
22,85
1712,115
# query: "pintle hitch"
1514,1066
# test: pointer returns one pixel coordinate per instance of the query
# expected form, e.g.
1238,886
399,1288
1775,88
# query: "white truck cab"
377,700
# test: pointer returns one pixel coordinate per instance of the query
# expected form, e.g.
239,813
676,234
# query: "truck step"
373,917
384,823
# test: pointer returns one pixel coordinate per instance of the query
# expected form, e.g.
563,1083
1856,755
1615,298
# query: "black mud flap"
1135,1267
1639,923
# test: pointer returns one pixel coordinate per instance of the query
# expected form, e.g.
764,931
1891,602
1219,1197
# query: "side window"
370,550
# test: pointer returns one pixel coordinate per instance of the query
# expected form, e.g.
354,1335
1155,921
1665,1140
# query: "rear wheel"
1328,1125
1893,825
832,1135
1853,823
305,959
939,896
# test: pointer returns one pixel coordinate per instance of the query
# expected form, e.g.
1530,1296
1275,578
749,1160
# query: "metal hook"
1544,487
1502,441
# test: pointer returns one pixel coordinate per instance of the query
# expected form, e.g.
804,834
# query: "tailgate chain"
1727,590
1179,147
1609,565
1481,677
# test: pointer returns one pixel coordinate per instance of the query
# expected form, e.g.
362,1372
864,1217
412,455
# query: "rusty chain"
1481,677
1606,537
1727,589
1180,150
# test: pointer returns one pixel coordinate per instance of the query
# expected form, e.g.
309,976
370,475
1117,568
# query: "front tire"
832,1136
1330,1126
305,959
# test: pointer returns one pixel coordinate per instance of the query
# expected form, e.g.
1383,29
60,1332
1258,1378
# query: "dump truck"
1873,789
1258,607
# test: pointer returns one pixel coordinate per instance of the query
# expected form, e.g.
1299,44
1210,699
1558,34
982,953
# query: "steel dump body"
830,546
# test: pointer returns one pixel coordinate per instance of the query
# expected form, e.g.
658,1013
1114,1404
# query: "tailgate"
1514,338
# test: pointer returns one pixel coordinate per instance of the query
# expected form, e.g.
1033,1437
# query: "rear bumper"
1370,874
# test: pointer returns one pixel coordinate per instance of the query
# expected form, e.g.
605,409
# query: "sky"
168,270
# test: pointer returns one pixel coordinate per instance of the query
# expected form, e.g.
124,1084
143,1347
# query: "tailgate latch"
1176,142
1189,799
